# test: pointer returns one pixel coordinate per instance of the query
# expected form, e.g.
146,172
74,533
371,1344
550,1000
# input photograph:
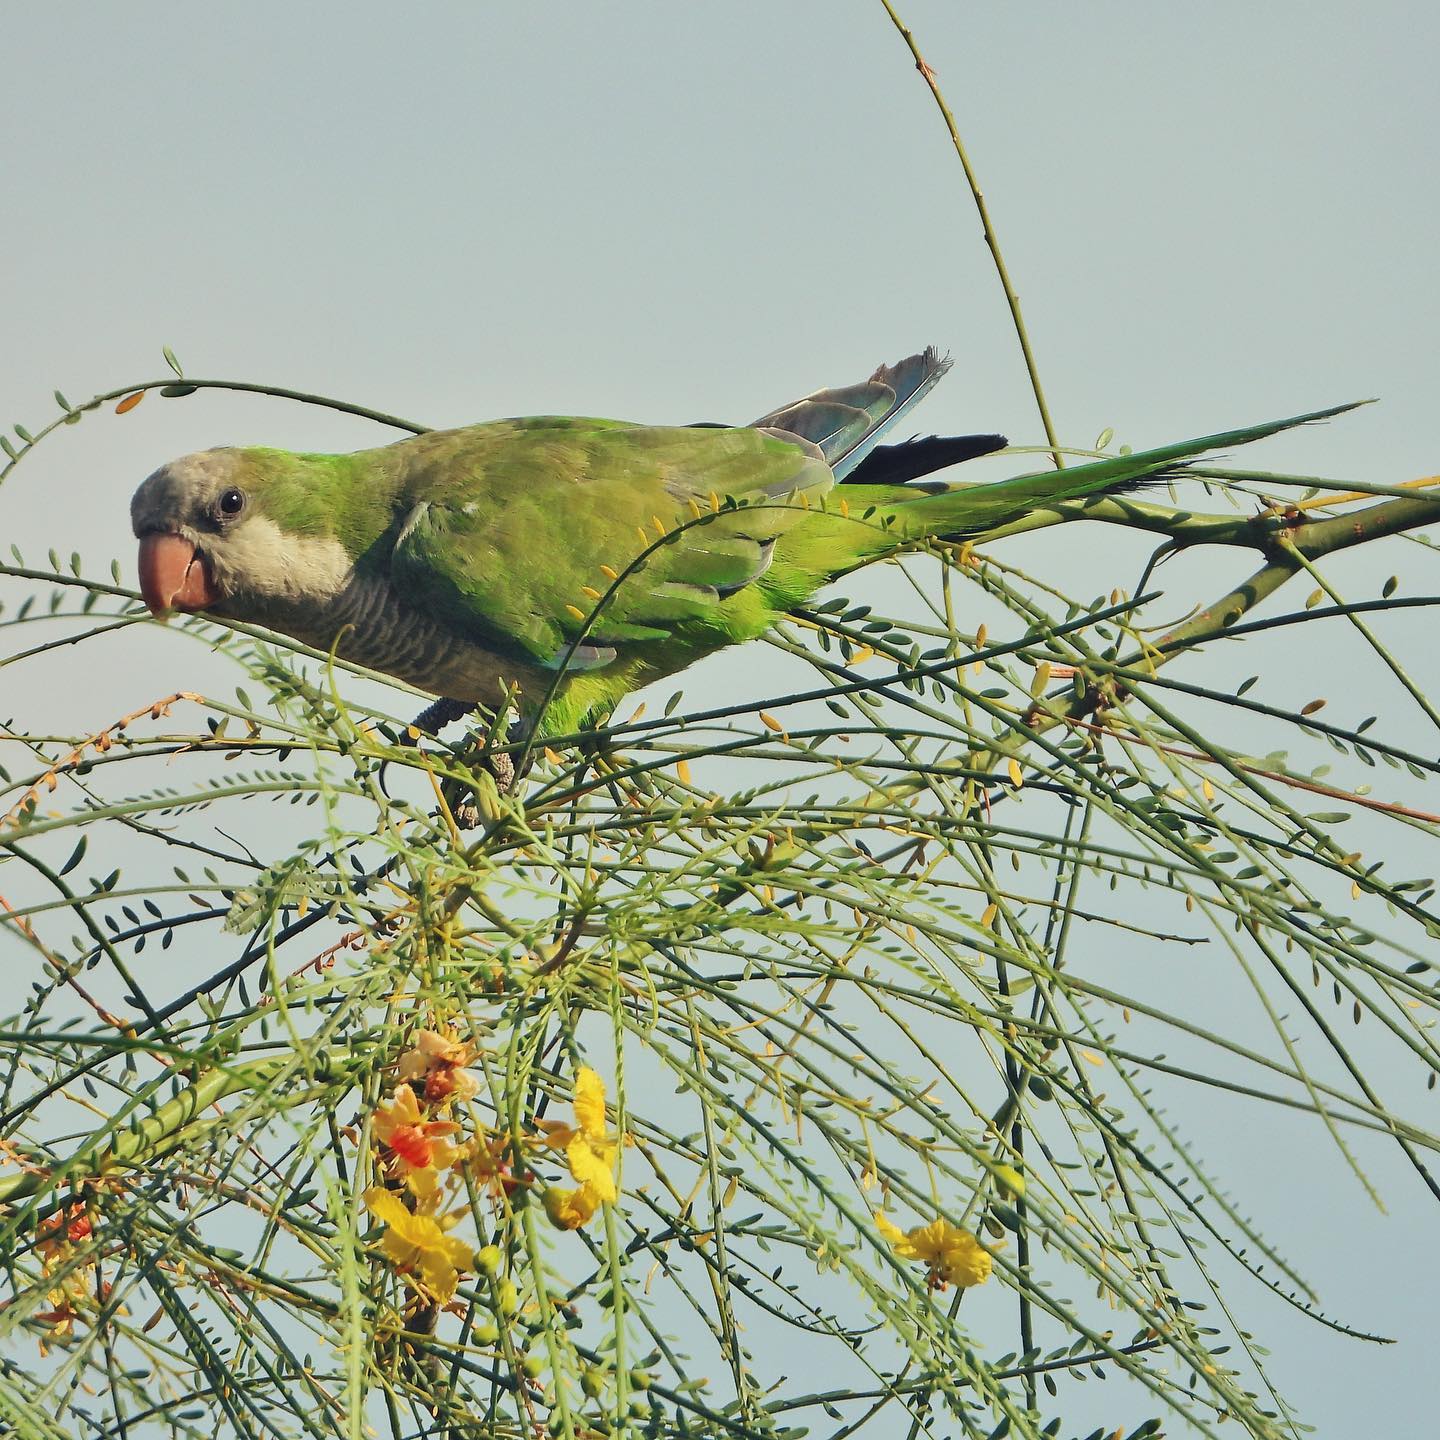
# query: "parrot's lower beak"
173,576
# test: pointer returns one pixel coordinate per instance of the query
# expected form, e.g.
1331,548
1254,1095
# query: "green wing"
526,534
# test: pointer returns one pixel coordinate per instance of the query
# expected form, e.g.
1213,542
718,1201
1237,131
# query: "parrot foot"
499,764
501,768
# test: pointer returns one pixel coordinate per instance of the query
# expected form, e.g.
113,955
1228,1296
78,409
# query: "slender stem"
1012,299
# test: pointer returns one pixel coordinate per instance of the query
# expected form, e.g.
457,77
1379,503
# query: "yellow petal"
440,1259
404,1108
592,1165
928,1242
570,1209
892,1233
424,1185
385,1205
590,1102
399,1250
964,1261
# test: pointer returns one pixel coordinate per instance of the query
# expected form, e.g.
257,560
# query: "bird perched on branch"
578,559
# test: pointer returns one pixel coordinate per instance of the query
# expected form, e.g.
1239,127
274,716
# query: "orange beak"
173,576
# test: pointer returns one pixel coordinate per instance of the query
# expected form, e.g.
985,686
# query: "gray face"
207,543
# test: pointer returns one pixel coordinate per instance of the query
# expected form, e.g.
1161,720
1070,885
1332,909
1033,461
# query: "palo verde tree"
741,1071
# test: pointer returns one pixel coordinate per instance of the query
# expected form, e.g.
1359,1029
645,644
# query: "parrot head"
210,539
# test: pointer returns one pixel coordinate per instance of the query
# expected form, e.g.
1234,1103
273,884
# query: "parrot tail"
965,512
846,422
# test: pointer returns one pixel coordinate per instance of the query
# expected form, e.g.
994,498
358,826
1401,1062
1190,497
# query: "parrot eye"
232,502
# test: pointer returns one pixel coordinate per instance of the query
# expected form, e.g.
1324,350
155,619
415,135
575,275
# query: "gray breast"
382,632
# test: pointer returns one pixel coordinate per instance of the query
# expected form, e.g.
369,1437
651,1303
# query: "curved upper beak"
173,576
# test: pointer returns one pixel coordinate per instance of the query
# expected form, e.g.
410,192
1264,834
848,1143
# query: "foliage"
873,972
746,1070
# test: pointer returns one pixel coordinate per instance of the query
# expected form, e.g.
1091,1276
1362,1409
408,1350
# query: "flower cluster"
438,1062
421,1157
59,1234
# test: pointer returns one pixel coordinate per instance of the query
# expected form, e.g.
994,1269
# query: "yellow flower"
418,1147
955,1256
418,1246
570,1209
589,1151
431,1049
437,1061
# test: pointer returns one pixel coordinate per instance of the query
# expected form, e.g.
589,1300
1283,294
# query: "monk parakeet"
587,557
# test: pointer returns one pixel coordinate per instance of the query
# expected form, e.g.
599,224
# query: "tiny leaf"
75,856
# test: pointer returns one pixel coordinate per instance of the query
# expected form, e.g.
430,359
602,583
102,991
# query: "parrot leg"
437,715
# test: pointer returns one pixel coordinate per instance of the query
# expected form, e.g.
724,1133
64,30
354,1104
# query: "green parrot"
577,559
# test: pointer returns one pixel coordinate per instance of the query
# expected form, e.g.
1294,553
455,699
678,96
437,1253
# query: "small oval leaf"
75,856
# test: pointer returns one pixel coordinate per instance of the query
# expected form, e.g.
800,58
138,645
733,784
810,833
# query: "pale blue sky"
1214,214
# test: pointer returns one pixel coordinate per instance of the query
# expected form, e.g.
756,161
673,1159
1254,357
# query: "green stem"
1011,298
107,1152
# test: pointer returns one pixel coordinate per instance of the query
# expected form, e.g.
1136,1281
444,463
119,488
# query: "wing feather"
515,531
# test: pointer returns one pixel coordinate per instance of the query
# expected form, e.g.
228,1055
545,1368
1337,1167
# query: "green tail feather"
964,513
